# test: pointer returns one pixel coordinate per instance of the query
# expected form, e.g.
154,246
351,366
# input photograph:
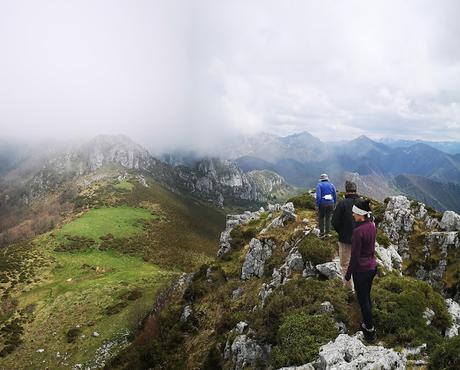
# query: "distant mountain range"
301,157
449,147
219,181
249,168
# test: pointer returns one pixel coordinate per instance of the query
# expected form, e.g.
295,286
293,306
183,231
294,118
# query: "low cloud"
190,74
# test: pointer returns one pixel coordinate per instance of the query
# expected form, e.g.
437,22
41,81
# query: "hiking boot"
369,334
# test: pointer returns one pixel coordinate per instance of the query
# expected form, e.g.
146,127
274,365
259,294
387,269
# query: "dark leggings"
363,285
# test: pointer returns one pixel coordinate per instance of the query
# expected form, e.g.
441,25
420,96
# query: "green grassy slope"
99,272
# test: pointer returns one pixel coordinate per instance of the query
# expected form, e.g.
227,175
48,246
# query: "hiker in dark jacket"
344,224
326,197
363,264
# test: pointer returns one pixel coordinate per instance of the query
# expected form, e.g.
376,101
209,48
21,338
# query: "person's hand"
347,277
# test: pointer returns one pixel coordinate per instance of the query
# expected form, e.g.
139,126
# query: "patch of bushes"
75,243
300,336
400,303
378,210
433,213
116,308
382,239
242,235
304,201
198,287
213,360
446,355
131,295
316,250
11,333
305,294
73,334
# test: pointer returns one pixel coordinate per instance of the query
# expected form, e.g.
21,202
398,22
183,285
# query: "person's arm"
337,217
318,195
355,253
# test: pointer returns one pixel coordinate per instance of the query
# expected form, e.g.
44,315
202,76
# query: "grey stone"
450,221
187,311
309,366
388,257
331,270
398,222
326,307
240,327
454,311
428,315
256,257
349,353
237,293
245,351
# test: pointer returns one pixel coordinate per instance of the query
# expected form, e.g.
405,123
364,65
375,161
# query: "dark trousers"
324,217
363,285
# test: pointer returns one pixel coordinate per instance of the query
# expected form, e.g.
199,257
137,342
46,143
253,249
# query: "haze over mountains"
416,169
248,166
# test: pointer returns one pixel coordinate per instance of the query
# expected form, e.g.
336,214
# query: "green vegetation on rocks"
316,250
300,336
446,355
400,304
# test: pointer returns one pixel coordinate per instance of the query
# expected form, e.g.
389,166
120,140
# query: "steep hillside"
274,297
438,195
35,193
75,294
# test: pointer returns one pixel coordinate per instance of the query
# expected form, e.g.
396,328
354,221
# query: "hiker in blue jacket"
326,197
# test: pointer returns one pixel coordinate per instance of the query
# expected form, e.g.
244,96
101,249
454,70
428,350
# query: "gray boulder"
349,353
331,270
398,222
454,310
245,351
450,221
443,245
388,257
259,253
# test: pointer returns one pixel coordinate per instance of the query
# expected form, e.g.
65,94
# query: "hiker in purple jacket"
363,264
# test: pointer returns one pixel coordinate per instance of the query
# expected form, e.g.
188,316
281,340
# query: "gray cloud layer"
193,72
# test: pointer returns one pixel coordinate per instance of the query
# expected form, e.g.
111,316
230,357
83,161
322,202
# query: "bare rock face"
280,221
450,221
398,222
331,270
259,253
232,221
441,244
245,351
349,353
454,310
293,263
388,257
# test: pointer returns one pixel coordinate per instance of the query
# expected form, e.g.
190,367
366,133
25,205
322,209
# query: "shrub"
446,355
198,287
305,201
241,235
300,336
382,239
73,334
316,250
305,294
213,360
400,303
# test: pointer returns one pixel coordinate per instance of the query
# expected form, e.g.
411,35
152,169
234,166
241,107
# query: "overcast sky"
175,73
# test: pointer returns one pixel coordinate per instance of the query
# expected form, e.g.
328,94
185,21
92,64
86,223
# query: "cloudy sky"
191,73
